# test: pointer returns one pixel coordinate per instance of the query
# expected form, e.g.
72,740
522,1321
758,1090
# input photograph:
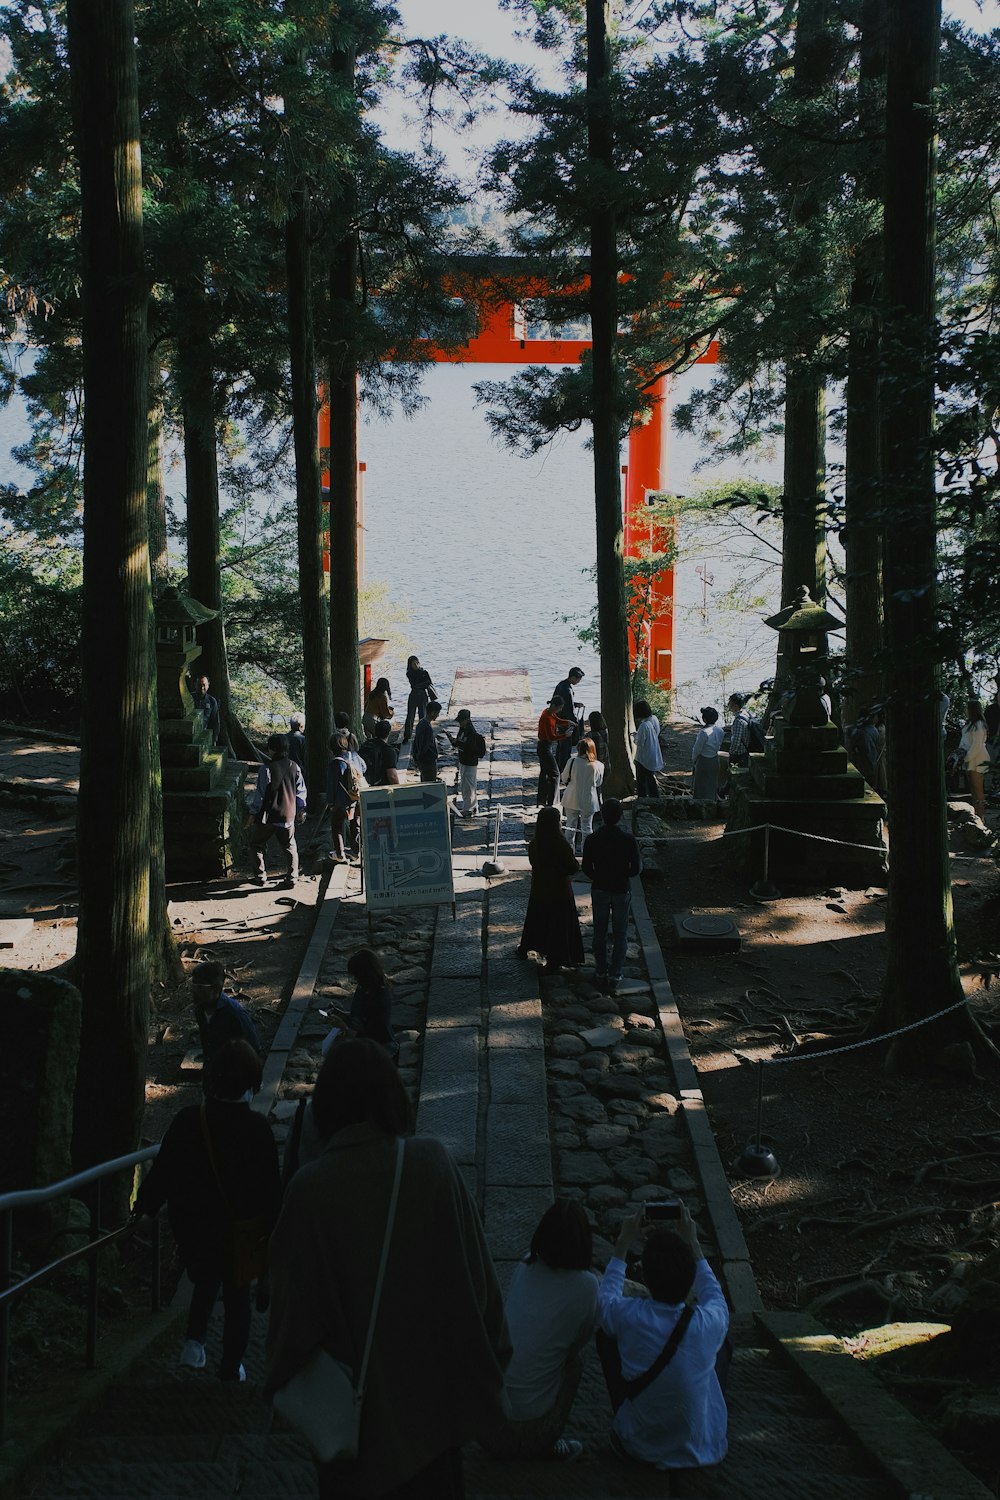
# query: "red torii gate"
504,338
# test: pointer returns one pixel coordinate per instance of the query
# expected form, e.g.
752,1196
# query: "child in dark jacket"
217,1163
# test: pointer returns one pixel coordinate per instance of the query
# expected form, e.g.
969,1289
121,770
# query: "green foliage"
40,613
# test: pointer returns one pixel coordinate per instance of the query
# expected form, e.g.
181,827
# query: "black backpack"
372,752
756,742
477,744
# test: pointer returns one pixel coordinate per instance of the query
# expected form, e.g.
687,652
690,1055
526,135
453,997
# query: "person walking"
377,706
551,1309
566,690
677,1419
582,798
342,792
974,756
277,804
471,747
217,1169
425,746
297,741
648,755
551,924
220,1016
553,730
421,693
435,1380
705,757
610,859
343,721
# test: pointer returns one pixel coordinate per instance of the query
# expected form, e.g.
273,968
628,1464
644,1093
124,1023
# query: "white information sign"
406,844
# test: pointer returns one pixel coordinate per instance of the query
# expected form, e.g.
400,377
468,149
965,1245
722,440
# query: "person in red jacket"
553,730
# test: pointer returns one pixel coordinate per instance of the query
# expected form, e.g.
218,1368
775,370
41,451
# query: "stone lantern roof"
805,615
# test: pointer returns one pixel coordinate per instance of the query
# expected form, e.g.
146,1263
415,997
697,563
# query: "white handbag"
323,1401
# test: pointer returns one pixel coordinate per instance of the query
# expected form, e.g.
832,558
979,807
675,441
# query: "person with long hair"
378,706
582,798
551,924
975,759
597,730
421,692
435,1380
551,1311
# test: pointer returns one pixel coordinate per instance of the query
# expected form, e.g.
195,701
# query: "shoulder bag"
323,1400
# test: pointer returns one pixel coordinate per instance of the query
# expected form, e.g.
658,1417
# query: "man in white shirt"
678,1421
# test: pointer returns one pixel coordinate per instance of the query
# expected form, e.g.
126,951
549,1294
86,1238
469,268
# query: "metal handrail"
11,1291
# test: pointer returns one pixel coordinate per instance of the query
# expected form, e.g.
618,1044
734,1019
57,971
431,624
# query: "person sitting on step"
551,1309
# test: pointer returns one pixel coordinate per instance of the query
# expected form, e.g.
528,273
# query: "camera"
665,1211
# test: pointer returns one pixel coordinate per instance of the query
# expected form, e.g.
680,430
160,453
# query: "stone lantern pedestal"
803,783
203,808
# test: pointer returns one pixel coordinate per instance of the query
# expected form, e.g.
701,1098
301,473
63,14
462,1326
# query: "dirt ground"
887,1207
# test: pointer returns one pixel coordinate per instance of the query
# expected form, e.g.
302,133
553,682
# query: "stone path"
537,1085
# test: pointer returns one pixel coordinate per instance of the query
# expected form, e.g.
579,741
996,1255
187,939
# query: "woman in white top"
648,755
582,779
551,1309
975,757
705,757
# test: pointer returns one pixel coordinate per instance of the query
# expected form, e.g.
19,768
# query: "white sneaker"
193,1355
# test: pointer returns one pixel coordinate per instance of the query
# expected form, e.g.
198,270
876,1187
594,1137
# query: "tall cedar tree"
342,395
803,533
861,534
114,820
922,974
606,419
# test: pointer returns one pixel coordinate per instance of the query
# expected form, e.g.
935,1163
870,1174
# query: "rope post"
763,889
758,1160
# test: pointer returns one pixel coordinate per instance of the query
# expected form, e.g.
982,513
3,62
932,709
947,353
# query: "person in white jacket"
582,779
975,759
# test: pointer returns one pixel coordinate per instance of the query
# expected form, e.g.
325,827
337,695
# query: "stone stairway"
481,1058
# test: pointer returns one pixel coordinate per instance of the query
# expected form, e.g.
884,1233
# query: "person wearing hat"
566,691
554,729
705,757
220,1016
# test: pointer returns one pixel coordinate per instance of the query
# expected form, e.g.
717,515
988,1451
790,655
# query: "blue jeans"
613,906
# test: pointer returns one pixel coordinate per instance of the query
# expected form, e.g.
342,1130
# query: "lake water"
486,551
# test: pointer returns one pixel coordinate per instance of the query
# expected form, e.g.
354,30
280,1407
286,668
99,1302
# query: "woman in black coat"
217,1163
551,924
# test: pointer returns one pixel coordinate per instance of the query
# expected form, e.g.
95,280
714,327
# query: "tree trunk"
345,661
308,495
112,963
156,494
612,617
196,374
803,545
803,540
195,370
922,973
861,535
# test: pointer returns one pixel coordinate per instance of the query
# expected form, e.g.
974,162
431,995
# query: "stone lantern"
803,628
806,810
202,786
177,618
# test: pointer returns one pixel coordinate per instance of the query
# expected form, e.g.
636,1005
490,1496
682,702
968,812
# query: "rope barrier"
735,833
868,1041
